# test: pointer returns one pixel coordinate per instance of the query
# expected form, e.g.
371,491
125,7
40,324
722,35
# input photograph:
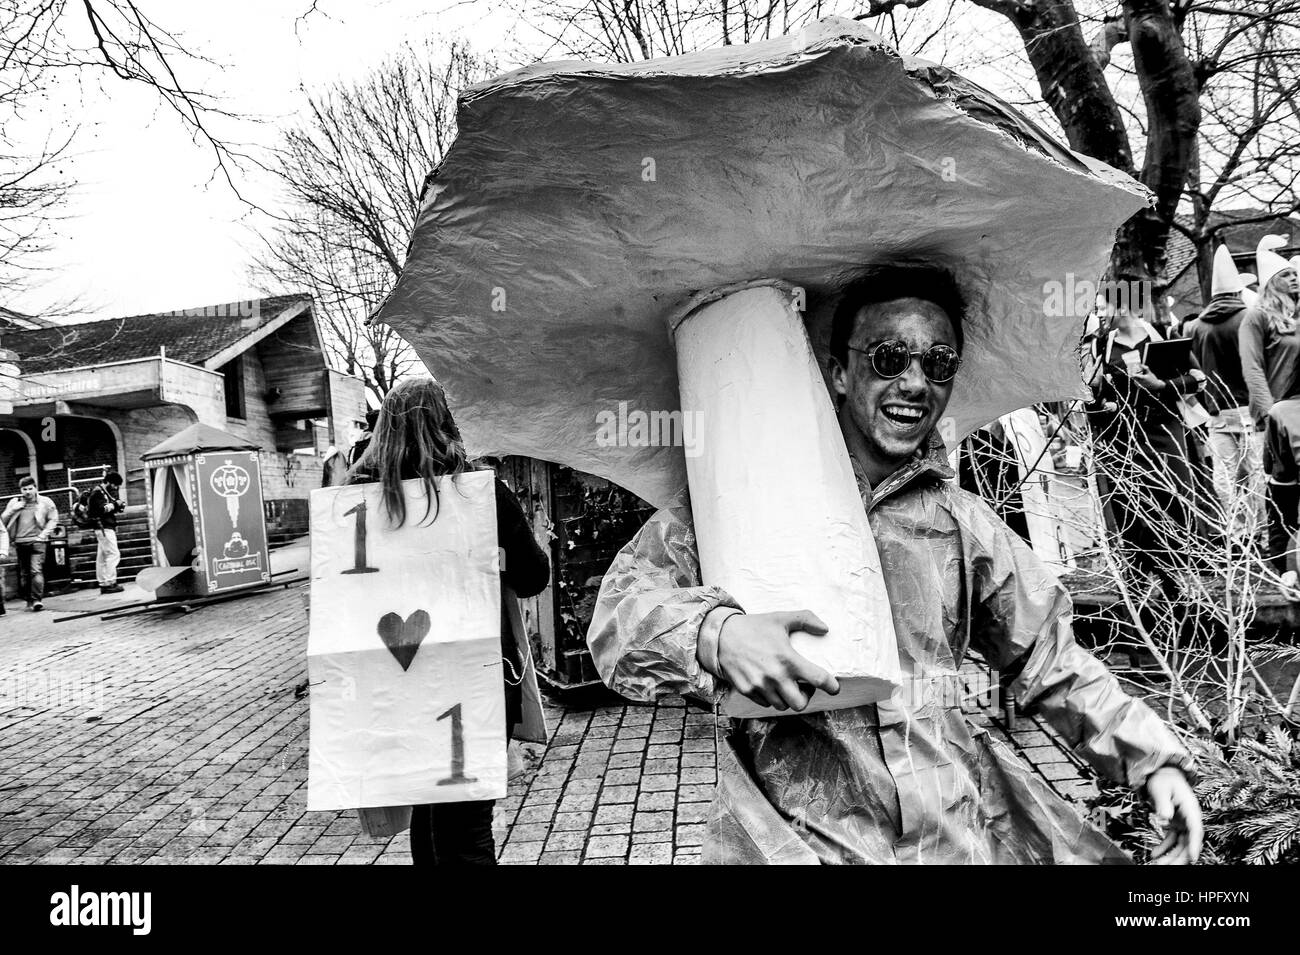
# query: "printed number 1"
457,750
359,542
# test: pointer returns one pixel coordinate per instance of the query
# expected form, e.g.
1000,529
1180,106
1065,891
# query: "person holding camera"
102,507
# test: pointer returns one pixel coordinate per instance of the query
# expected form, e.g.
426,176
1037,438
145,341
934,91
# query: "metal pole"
96,613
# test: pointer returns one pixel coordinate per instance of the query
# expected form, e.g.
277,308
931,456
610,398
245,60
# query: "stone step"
124,546
87,539
133,553
89,556
87,568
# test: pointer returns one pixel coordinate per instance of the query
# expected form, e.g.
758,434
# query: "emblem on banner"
231,482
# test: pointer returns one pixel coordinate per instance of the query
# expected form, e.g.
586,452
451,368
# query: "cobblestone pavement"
183,739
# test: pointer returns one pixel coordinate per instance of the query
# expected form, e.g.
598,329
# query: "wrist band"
713,647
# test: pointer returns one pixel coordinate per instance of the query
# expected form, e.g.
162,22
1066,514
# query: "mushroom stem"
779,521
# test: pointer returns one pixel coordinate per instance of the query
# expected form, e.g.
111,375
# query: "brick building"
76,398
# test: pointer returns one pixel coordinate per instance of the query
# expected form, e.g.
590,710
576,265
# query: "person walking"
414,436
1270,363
1235,445
102,507
30,519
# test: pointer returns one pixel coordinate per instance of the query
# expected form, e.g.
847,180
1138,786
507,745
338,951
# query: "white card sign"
404,649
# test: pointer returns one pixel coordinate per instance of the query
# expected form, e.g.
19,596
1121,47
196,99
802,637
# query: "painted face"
894,416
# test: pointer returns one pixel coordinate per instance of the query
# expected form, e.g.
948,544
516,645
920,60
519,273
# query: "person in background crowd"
1167,326
333,467
1270,362
102,508
337,461
416,437
359,446
30,519
987,467
1234,444
1138,420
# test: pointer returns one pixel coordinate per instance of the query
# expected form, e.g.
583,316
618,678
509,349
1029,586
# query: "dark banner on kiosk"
230,515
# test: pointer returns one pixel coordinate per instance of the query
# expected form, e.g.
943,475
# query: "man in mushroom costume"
607,236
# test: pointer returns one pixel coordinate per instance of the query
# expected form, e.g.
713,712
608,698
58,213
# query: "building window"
232,374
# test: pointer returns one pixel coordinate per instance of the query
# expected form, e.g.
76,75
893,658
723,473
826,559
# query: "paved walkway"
183,738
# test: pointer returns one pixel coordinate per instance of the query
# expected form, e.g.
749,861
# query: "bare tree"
353,173
1178,58
1248,153
1175,607
30,195
1181,620
628,30
318,255
42,40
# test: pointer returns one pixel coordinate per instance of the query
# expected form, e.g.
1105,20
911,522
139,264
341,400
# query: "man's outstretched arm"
1022,623
645,629
657,630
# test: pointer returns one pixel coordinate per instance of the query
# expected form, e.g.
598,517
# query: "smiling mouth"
905,416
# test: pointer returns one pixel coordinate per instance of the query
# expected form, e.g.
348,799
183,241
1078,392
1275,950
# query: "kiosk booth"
206,520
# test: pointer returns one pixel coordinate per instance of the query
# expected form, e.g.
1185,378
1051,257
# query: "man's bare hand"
1174,806
755,657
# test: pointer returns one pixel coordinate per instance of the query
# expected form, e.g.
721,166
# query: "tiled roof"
190,335
13,319
1241,240
1180,252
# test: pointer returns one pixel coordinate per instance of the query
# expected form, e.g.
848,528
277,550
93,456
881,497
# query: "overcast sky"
145,229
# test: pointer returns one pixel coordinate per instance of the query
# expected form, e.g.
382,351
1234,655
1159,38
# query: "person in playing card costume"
904,780
414,436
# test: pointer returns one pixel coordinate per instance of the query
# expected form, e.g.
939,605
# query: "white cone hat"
1225,279
1247,279
1267,262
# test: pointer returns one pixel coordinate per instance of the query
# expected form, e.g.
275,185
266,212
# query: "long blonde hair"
415,436
1278,305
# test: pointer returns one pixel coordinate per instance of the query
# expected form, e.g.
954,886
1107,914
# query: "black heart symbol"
403,637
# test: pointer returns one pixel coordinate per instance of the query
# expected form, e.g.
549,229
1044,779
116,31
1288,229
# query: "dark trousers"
1283,470
1283,516
1151,515
460,833
453,833
31,570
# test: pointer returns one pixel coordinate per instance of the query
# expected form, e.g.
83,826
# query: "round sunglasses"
889,359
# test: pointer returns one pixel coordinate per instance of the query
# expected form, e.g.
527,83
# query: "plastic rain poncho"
907,781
